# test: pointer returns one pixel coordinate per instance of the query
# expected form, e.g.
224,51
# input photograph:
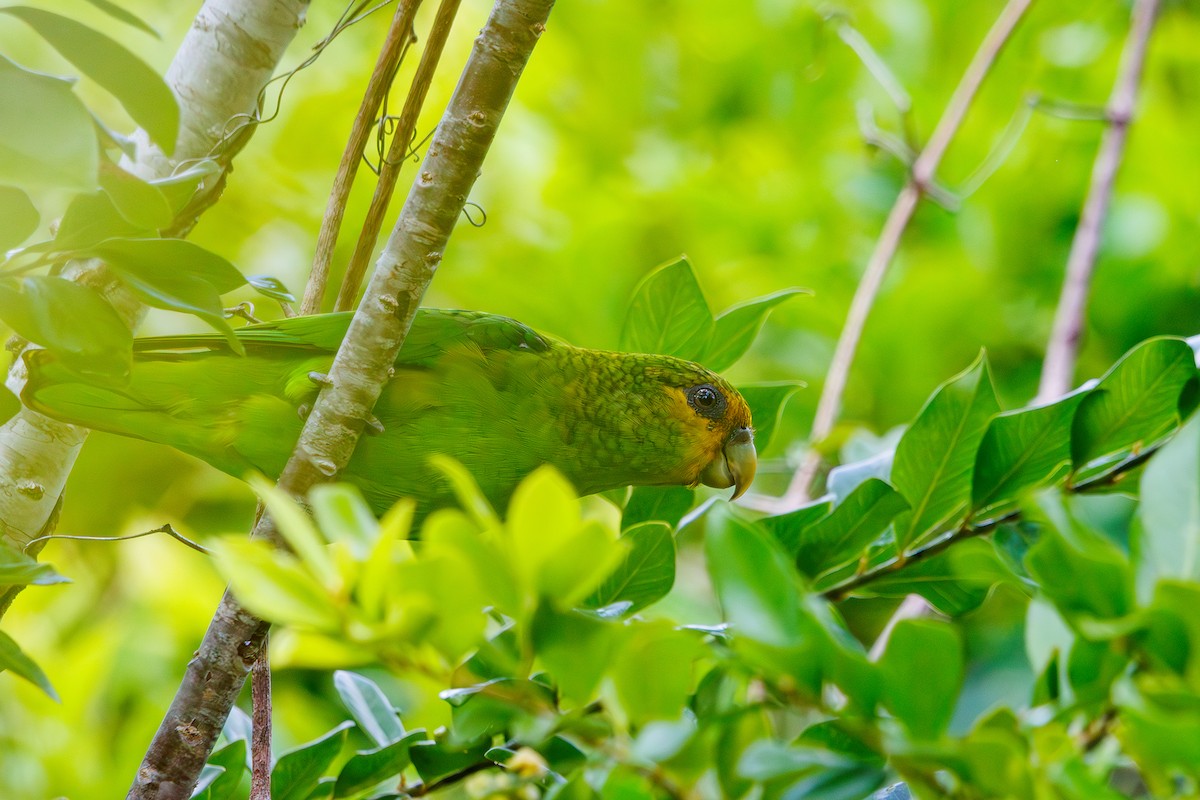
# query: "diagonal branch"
920,183
408,262
1058,370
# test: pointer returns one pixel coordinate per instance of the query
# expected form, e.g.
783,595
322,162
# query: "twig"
399,36
1063,347
389,166
260,737
235,638
167,529
922,177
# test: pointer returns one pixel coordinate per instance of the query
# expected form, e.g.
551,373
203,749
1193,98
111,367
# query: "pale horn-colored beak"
735,466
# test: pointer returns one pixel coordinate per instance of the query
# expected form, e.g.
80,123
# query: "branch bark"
217,75
920,182
408,262
1058,369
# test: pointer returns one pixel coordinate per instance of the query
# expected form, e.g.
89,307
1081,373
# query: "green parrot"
486,390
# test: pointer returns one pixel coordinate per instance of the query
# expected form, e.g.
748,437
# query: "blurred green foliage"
729,131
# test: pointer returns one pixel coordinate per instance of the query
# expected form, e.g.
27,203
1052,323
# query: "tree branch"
362,365
920,182
1058,370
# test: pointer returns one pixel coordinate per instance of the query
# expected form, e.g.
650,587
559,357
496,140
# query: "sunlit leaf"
646,573
668,314
271,287
343,515
274,585
369,706
116,12
735,329
297,771
18,569
850,528
51,142
20,217
13,658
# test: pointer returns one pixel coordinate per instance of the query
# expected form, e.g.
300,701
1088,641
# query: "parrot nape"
486,390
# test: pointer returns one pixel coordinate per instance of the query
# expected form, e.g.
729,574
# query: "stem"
920,182
389,167
1059,367
235,638
399,36
260,744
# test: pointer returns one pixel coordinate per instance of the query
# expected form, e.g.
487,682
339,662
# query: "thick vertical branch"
920,182
216,674
1058,370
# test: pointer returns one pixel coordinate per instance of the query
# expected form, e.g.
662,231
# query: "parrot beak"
736,465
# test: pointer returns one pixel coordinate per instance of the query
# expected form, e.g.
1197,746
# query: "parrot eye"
707,401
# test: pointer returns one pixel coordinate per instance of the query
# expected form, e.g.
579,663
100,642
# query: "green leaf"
1023,450
954,582
935,457
1135,404
435,760
271,287
18,569
1168,542
850,783
116,12
845,478
846,533
71,320
274,585
576,648
668,314
12,657
343,516
297,771
175,275
646,573
766,401
229,766
137,87
735,330
298,530
653,671
370,708
366,768
922,668
20,217
790,529
663,503
767,760
51,143
142,204
90,218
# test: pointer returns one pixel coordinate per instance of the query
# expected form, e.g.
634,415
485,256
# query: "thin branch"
399,36
167,529
235,638
389,166
922,177
1058,370
260,737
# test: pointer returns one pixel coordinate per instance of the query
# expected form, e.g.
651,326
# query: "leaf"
229,765
343,516
849,783
1168,542
662,503
435,760
645,575
1023,450
652,673
271,287
922,668
90,218
935,457
790,529
366,768
274,585
51,143
18,569
12,657
298,530
735,330
71,320
369,706
20,217
847,532
845,478
137,87
668,314
1135,404
767,760
116,12
954,582
576,648
766,401
297,771
138,202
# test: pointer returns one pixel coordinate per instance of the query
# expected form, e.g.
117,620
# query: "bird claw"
320,379
304,409
374,426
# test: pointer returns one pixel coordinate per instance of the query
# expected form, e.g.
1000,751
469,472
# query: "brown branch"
260,737
235,638
920,182
395,45
1058,369
389,167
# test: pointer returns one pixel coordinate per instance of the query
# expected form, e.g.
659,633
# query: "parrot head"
719,440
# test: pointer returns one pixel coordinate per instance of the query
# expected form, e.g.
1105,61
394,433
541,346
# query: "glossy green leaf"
139,202
370,708
51,143
297,771
646,573
18,569
663,503
271,287
20,217
1135,404
922,667
668,314
936,455
274,585
228,765
954,582
850,783
139,89
736,328
1023,450
13,658
845,478
790,529
1168,543
846,533
366,768
70,319
766,402
343,516
437,759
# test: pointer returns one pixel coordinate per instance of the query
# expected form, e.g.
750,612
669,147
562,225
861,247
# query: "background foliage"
731,132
